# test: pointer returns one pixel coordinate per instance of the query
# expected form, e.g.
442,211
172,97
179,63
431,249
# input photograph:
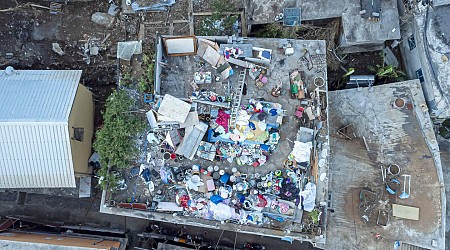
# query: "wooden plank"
171,29
405,212
191,17
239,62
243,25
141,34
180,21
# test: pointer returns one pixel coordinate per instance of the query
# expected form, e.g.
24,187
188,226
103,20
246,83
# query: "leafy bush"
219,23
115,142
146,82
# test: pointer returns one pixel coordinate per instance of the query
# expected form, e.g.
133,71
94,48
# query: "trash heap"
209,155
223,194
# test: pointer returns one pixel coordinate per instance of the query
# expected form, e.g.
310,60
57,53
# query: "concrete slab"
359,31
403,136
264,11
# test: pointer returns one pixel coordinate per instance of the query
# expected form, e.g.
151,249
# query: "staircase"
236,103
406,246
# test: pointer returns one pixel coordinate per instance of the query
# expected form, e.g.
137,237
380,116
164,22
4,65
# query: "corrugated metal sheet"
35,155
37,95
35,147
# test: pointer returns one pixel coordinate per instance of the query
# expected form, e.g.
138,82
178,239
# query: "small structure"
46,128
426,52
366,24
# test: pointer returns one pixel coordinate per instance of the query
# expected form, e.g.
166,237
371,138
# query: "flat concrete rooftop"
393,135
175,79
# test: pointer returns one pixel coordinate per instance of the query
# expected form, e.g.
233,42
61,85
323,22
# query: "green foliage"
276,30
219,23
146,82
126,79
387,71
221,6
107,179
349,72
116,140
314,216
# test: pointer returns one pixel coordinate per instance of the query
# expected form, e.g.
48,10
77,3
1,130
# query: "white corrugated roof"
37,95
35,155
34,135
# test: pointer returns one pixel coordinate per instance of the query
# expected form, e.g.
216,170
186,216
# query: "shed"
46,128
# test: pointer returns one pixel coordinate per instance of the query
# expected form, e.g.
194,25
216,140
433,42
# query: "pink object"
264,79
210,185
222,119
299,112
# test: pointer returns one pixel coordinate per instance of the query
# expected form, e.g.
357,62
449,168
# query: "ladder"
236,103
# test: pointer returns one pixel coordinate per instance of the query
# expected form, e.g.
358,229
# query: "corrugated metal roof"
37,95
35,147
35,155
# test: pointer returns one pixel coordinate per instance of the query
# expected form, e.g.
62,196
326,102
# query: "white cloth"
302,151
309,197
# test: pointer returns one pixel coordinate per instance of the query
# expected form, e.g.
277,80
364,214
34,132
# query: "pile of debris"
204,155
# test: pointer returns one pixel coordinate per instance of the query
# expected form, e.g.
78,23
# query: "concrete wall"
415,59
158,68
82,116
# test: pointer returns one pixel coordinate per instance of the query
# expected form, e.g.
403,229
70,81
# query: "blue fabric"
216,199
266,54
252,125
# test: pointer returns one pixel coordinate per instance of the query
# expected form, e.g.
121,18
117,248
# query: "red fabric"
222,119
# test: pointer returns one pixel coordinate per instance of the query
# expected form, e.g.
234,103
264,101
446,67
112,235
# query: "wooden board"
181,45
405,212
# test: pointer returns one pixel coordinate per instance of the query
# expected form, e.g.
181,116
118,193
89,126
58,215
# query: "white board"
180,45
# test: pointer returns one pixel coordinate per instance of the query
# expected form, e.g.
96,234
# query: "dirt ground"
28,33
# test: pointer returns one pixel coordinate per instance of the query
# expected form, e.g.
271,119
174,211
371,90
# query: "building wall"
19,240
416,62
82,116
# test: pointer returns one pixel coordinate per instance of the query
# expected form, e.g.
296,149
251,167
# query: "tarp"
125,50
309,196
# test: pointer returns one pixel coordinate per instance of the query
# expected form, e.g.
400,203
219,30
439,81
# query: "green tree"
115,142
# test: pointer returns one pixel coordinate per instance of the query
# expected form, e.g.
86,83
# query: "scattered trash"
125,50
405,195
103,19
161,6
57,49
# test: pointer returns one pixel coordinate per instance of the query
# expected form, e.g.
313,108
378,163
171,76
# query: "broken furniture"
405,195
347,131
382,218
392,186
360,81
